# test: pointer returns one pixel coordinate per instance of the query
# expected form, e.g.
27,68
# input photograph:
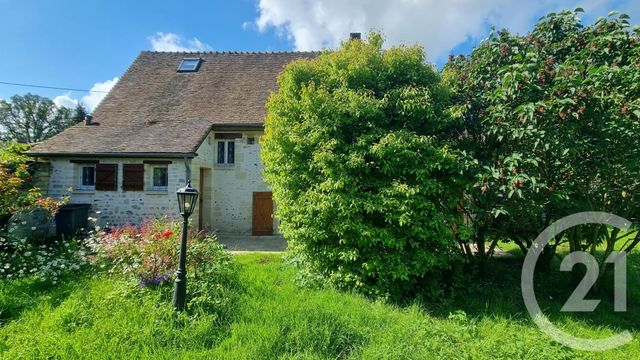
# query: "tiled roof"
154,109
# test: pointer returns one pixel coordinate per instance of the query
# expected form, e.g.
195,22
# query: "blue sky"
88,44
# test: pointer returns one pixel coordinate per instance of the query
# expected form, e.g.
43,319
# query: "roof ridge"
227,52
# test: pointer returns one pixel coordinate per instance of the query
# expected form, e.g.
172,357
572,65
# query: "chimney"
88,120
355,36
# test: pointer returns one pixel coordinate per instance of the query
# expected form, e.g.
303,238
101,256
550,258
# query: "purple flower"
154,279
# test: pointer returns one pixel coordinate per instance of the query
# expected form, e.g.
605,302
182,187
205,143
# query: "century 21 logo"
577,301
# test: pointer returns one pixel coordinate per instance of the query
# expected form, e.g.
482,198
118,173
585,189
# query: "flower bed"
47,262
149,252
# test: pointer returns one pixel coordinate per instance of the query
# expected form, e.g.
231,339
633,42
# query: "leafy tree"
366,191
32,118
79,113
551,120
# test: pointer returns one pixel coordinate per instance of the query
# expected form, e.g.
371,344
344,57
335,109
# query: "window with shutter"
106,177
133,177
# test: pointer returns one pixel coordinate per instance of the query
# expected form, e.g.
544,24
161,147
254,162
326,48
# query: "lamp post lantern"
187,197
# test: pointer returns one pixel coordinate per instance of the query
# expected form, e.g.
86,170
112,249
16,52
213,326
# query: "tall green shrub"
365,189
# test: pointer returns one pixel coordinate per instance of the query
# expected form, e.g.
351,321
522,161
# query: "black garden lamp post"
187,197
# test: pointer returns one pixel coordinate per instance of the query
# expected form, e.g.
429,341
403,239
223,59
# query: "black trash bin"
70,218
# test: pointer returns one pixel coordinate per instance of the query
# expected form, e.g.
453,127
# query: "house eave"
154,155
232,127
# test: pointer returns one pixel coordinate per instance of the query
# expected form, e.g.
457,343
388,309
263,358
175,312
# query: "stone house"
170,118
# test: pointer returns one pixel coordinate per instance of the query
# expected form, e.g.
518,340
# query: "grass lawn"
107,317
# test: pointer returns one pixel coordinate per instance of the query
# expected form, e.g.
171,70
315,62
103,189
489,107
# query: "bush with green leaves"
25,217
17,191
366,190
551,120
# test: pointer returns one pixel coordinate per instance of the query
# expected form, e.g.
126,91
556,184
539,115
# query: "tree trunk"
481,253
604,266
522,247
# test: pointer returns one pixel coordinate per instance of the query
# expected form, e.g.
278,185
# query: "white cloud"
438,25
66,101
172,42
98,92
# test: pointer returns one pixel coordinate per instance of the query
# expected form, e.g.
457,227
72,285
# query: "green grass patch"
272,318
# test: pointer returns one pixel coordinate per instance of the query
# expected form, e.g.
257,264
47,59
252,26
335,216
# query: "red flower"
166,234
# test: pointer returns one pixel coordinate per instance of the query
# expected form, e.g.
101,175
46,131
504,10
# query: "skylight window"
189,65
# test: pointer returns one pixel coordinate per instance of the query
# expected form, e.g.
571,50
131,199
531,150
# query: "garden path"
241,243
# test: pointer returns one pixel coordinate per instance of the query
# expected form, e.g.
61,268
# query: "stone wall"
228,190
118,207
203,161
41,174
234,187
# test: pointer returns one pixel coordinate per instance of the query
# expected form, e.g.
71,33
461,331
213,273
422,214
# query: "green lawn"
106,317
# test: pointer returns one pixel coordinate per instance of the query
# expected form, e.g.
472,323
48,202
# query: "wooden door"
262,213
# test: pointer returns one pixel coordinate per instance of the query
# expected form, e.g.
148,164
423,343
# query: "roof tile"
155,109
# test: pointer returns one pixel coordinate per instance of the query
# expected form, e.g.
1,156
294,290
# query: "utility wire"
50,87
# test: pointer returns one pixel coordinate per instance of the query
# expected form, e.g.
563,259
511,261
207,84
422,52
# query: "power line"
50,87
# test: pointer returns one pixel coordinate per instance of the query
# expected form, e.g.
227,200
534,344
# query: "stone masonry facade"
118,207
227,190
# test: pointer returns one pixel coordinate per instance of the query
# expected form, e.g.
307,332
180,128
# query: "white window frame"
87,187
155,187
189,65
81,185
225,156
